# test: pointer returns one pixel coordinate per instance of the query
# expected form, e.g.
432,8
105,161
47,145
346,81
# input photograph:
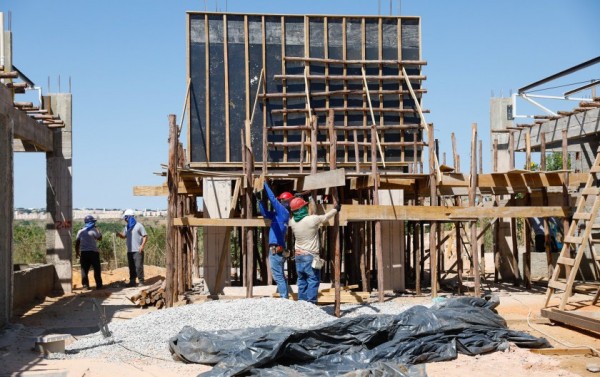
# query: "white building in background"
79,214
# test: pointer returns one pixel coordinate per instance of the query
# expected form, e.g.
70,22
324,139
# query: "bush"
29,240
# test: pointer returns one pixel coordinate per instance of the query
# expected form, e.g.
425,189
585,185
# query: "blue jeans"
308,279
277,261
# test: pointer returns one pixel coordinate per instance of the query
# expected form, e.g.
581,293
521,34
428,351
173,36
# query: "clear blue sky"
127,63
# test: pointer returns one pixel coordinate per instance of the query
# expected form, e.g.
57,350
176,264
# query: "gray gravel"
147,336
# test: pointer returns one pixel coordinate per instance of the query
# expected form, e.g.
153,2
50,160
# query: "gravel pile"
147,336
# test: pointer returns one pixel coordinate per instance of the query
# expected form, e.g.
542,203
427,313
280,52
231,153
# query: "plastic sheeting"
368,345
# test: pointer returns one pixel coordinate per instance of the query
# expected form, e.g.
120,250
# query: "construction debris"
150,296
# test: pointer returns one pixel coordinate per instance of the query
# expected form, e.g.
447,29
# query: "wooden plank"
185,186
572,319
332,178
387,212
151,190
509,212
201,221
360,183
563,351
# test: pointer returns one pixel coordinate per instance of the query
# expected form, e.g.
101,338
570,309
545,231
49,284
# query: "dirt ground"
521,309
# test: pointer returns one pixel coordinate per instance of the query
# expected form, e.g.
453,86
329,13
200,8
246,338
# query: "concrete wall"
31,284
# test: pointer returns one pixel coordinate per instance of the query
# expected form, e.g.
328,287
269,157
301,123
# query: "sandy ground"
521,310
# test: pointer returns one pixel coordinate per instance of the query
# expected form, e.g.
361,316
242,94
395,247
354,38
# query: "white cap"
128,212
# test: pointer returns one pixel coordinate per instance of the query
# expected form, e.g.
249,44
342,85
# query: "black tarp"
367,345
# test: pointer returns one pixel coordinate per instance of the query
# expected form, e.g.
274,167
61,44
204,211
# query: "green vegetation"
30,242
29,239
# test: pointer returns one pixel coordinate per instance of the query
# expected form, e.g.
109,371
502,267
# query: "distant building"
79,214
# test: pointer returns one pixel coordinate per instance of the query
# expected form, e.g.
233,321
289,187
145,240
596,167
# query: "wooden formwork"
277,78
286,98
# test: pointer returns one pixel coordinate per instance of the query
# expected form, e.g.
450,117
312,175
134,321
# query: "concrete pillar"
6,219
217,203
499,121
6,193
59,194
392,242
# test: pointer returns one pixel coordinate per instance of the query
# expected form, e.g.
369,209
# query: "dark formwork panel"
227,52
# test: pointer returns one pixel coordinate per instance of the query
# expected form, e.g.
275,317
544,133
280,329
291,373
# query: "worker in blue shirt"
279,217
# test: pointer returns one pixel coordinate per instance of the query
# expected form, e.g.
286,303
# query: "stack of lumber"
327,296
347,295
151,296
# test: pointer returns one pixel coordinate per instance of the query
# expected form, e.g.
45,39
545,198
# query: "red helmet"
285,196
297,203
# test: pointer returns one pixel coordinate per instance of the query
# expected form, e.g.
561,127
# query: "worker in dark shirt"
279,217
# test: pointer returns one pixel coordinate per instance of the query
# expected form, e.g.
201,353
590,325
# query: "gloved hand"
338,206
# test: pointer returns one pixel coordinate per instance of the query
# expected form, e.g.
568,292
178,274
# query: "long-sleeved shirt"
279,218
306,231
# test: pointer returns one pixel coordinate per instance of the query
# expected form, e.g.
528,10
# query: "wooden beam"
186,186
570,318
564,351
509,212
151,190
332,178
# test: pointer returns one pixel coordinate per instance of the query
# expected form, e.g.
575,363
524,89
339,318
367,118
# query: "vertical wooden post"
542,151
170,283
418,256
497,223
249,234
515,249
457,225
336,221
528,150
565,166
547,240
480,157
511,150
473,224
378,242
528,242
454,154
433,250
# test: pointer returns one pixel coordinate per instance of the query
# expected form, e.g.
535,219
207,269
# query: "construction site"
330,108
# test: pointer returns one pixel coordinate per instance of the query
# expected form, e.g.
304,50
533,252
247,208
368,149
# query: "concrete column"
6,219
217,203
499,121
59,194
392,241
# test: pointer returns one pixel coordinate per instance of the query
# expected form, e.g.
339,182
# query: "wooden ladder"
583,218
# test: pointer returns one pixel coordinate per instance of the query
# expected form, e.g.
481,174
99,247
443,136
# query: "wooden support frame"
219,33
